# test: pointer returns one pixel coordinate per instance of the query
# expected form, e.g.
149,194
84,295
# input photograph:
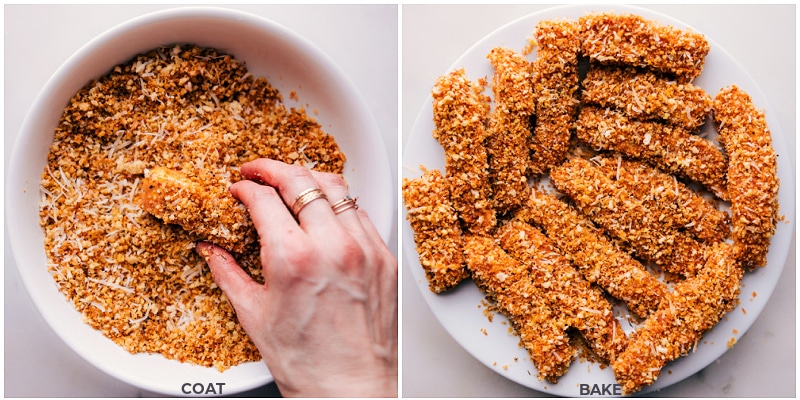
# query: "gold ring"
305,197
344,204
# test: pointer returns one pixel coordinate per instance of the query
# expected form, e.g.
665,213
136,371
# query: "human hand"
325,319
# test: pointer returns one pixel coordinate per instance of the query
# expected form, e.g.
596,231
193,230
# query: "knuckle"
298,172
349,254
332,180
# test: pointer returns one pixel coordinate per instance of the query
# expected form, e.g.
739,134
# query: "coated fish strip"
541,328
459,114
752,173
555,86
671,201
611,207
597,258
509,128
646,96
437,232
693,307
587,309
671,149
633,40
210,212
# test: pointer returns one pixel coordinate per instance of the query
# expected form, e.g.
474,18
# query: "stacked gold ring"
305,197
344,204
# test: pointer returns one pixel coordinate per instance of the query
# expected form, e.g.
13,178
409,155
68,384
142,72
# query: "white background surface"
762,39
362,40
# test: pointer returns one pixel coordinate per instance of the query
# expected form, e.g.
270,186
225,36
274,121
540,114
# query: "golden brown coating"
633,40
671,149
586,308
752,173
509,128
669,200
437,233
614,209
139,281
460,112
542,329
597,258
555,87
646,96
690,309
207,211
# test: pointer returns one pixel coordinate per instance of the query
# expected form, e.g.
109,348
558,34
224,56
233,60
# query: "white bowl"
288,61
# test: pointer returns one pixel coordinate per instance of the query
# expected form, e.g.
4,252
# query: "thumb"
227,273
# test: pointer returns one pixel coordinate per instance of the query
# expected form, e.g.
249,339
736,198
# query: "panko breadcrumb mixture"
630,207
137,279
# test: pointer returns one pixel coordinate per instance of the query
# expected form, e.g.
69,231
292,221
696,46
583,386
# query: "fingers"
336,188
270,217
291,181
229,276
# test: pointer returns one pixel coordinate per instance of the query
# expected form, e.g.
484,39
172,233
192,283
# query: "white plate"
290,62
458,310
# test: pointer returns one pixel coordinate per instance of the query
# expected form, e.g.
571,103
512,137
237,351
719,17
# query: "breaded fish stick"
644,95
437,232
509,128
210,212
633,40
693,307
670,201
611,207
541,328
555,87
587,309
459,114
597,258
672,149
752,173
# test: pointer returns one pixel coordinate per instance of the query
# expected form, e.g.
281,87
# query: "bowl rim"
97,44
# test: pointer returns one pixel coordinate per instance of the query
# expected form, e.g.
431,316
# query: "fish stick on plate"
460,112
555,86
542,329
636,41
690,309
613,208
586,307
644,95
209,211
509,128
752,173
671,201
670,148
596,256
437,233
